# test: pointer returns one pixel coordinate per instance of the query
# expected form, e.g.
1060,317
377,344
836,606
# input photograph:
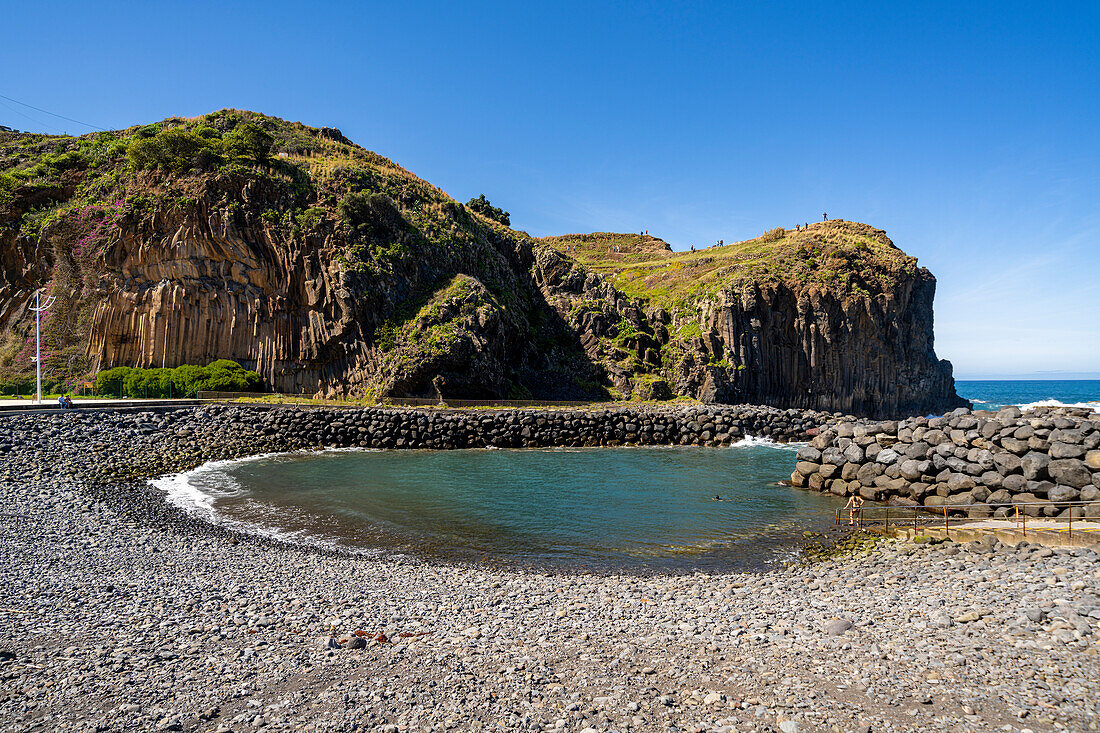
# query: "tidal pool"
605,509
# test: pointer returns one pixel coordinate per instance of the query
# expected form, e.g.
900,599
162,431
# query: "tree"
174,149
249,140
482,206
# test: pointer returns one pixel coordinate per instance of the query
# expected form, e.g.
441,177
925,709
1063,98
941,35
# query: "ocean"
635,509
993,394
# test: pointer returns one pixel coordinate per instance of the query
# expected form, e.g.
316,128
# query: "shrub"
370,213
203,148
774,235
110,381
250,141
17,385
148,383
229,376
182,381
482,206
65,161
174,149
309,219
186,377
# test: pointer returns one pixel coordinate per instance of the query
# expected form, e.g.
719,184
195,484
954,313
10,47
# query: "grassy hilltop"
844,257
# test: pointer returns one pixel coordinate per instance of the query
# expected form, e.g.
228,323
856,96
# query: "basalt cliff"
333,271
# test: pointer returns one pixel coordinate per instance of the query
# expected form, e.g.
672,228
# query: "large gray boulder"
1039,488
1034,465
853,454
1007,463
960,482
887,456
1063,493
920,450
806,468
981,457
809,453
913,470
1092,460
1065,450
1071,472
992,479
934,437
868,472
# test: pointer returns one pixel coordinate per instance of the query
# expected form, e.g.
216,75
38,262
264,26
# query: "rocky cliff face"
809,348
853,336
331,270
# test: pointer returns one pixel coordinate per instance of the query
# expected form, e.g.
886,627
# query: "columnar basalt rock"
982,464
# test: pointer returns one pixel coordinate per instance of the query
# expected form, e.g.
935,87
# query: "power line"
52,114
26,116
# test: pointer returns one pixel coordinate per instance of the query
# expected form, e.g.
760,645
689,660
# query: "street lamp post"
38,309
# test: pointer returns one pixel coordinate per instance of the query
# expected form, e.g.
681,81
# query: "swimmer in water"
717,497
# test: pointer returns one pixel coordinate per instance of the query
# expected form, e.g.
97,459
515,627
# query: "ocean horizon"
993,394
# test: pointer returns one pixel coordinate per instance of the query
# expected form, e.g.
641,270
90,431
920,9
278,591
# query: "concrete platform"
29,407
1084,533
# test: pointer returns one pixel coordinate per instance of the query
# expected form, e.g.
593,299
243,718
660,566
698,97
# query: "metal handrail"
944,510
407,401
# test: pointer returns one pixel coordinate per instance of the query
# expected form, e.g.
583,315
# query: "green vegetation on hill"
840,256
482,206
186,380
303,184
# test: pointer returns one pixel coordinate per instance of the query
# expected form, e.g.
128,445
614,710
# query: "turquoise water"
601,508
995,394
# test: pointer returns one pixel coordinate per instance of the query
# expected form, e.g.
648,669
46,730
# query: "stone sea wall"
108,446
986,462
382,427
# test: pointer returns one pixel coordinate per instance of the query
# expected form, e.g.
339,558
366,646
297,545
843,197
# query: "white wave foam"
196,492
753,441
1093,405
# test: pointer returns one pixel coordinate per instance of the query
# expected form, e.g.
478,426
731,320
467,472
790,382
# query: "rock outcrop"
800,342
332,271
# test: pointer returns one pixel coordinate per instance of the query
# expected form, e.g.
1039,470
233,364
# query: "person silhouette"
824,216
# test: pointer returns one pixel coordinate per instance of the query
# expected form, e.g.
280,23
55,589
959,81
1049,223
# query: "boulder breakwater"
980,464
120,445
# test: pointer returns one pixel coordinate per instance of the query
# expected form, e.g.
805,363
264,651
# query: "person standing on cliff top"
824,216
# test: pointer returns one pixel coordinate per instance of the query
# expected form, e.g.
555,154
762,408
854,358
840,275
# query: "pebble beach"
120,612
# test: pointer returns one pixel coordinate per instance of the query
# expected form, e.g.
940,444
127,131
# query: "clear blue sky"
970,132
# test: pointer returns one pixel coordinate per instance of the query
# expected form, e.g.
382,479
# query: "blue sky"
970,132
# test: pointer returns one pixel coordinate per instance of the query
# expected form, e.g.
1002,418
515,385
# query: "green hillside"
840,256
